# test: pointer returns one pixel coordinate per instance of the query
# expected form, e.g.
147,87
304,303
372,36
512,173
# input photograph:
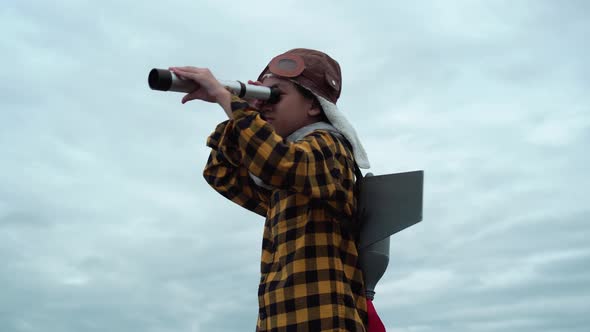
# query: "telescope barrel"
165,80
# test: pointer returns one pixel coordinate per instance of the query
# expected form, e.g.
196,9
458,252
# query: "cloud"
107,224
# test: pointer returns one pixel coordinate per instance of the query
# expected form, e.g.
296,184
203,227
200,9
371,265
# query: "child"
293,162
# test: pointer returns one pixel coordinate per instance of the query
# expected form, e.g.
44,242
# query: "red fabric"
375,323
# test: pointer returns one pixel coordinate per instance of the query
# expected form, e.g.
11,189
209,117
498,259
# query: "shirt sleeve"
314,165
227,176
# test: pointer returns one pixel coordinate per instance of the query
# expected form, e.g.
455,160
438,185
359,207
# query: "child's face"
293,110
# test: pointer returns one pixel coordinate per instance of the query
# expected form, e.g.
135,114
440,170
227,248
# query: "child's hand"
209,89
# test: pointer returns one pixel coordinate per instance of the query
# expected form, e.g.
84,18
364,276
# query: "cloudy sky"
106,223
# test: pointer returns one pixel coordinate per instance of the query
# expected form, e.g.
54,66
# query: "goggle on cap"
312,69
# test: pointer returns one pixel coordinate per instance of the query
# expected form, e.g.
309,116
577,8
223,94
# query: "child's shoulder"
328,140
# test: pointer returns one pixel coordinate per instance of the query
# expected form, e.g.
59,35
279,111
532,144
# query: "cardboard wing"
388,204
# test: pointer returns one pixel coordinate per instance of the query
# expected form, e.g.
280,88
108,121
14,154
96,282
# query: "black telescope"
165,80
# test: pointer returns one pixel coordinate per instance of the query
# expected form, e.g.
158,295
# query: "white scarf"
339,121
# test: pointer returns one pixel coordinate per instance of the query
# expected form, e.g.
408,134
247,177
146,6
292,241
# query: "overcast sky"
106,223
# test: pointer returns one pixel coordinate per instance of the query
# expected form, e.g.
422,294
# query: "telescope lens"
275,96
160,79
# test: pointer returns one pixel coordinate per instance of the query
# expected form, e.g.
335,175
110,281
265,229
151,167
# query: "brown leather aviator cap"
311,69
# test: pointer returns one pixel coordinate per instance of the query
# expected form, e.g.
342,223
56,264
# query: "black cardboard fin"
388,204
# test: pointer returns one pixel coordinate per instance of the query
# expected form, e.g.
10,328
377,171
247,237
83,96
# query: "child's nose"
263,106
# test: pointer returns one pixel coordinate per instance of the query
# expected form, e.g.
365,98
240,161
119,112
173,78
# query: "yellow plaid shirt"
311,278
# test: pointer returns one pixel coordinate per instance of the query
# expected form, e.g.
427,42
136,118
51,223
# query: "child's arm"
227,176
